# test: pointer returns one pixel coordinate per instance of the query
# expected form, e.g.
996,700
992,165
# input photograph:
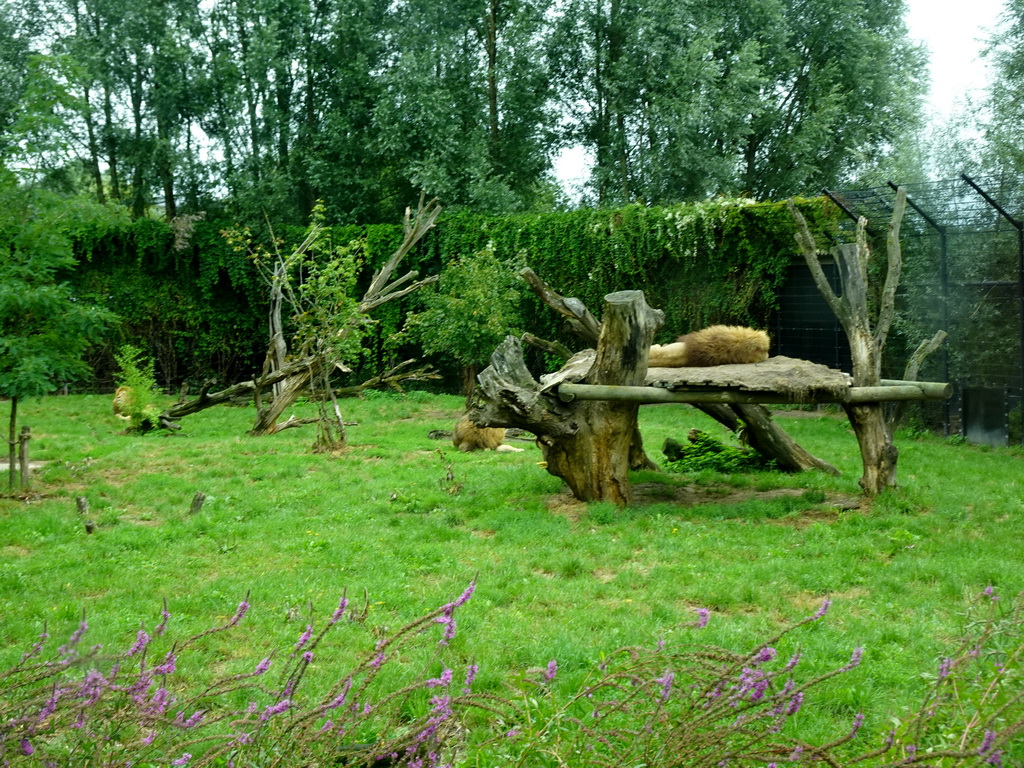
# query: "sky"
954,32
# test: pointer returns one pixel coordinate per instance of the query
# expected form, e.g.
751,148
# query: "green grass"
556,578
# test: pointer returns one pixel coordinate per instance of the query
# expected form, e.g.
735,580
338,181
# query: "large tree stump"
590,444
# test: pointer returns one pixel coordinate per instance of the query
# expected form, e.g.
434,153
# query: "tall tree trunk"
138,172
166,168
94,147
491,45
110,145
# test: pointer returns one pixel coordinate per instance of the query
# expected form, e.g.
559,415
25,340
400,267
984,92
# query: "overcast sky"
955,32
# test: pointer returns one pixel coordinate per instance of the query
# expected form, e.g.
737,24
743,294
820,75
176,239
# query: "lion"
716,345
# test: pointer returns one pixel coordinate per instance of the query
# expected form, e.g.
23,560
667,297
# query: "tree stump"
590,444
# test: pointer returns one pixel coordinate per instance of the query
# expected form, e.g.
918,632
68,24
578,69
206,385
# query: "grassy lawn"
412,522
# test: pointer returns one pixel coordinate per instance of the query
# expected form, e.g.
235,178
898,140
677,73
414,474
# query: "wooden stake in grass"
83,511
23,438
197,503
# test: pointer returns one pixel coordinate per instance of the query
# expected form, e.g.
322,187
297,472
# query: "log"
568,391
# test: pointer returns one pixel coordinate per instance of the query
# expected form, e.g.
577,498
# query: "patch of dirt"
567,505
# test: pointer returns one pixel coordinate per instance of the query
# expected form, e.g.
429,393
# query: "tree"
474,307
684,100
44,328
866,331
1003,132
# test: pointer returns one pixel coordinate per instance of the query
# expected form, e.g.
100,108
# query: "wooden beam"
567,392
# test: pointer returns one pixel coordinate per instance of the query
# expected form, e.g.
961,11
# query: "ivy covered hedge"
199,307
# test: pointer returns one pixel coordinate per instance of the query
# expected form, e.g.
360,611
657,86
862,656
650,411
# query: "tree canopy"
260,107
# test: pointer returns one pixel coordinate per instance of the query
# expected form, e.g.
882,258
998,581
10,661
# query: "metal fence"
963,272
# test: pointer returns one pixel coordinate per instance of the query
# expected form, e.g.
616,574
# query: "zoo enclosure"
963,272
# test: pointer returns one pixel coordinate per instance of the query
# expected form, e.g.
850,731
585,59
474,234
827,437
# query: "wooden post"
197,503
82,504
12,447
23,438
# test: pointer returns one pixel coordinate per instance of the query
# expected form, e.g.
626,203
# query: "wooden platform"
777,380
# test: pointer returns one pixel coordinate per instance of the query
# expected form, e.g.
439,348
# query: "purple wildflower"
65,649
464,597
944,668
825,605
858,721
471,671
753,682
141,640
665,681
51,703
304,638
275,709
328,725
183,760
308,657
765,654
241,738
149,738
165,616
703,615
37,647
170,664
551,671
990,591
987,742
511,734
791,664
795,704
160,701
243,608
92,687
195,719
797,751
854,660
376,663
262,667
444,680
26,747
996,758
340,610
